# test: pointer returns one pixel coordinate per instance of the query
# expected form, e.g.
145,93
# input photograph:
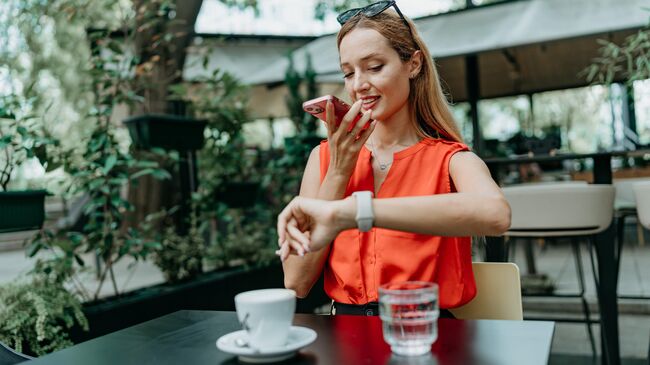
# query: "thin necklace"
382,166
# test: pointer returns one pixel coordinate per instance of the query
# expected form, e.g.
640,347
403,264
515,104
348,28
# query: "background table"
188,337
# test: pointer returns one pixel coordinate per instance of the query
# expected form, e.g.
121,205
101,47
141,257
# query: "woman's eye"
347,75
376,68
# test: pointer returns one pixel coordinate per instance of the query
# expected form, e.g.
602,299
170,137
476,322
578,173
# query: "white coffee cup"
266,315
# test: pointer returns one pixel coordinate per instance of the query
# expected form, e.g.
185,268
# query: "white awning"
538,44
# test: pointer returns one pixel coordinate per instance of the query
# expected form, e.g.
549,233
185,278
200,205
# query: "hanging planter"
239,194
166,131
22,210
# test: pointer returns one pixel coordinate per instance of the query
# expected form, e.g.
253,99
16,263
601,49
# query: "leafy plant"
630,60
219,99
246,237
36,316
305,123
104,166
179,257
285,173
22,137
235,236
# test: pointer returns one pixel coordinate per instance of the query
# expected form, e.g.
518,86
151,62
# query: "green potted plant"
228,169
37,311
21,138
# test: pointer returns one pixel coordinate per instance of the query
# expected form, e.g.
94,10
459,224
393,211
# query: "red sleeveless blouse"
360,262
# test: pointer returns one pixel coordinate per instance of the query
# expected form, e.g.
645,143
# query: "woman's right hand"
345,146
307,225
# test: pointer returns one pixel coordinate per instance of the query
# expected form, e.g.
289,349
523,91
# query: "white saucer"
298,338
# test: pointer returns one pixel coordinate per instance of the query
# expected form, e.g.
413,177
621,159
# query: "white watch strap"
365,216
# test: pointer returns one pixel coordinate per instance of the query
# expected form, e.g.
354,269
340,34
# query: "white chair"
642,192
562,210
498,293
528,246
625,206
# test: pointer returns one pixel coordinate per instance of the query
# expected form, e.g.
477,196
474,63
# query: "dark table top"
562,156
188,337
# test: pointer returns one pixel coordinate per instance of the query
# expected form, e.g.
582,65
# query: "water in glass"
409,314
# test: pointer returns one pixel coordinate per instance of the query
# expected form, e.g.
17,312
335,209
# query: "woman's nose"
360,82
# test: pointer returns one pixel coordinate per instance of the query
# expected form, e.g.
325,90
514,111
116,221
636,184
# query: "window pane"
461,114
501,118
583,115
642,107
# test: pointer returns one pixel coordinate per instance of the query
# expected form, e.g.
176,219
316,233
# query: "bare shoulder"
314,158
465,159
469,173
315,151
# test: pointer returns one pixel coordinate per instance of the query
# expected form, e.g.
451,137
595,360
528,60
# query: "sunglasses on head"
373,10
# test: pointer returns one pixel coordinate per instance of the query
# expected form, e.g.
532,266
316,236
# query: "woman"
430,192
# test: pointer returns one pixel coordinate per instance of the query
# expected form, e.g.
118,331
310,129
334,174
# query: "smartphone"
316,107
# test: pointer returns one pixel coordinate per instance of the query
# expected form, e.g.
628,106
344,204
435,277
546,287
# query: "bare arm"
478,208
301,272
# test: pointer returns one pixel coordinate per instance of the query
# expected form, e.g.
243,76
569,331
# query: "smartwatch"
365,215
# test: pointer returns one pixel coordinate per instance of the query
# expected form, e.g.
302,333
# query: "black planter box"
239,194
166,131
22,210
210,291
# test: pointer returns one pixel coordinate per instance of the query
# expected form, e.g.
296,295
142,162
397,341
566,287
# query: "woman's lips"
369,103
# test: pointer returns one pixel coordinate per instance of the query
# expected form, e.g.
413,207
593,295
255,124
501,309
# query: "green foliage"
323,7
44,61
235,236
180,257
630,61
22,137
304,122
285,173
36,315
103,166
220,100
245,237
242,4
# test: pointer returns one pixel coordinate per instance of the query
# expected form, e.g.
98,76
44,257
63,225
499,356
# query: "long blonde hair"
428,104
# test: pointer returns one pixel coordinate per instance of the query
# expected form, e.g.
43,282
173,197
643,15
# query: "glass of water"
409,314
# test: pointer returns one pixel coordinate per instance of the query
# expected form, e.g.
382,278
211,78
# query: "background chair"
625,205
498,293
574,211
10,357
642,191
532,281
